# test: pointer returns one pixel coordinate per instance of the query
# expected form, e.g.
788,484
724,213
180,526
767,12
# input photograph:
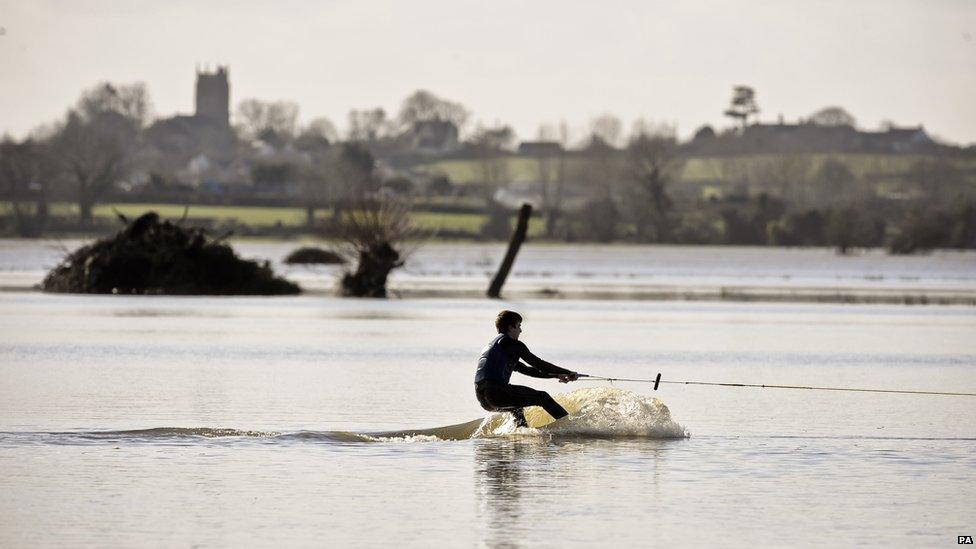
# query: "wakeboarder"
502,356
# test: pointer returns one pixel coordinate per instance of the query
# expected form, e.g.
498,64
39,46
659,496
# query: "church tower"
213,96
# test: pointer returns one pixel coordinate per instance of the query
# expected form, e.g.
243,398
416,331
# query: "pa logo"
967,540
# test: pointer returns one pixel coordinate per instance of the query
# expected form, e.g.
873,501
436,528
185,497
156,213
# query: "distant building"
213,96
900,140
813,138
207,130
186,135
540,148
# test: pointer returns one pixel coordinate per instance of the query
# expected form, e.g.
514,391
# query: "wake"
594,412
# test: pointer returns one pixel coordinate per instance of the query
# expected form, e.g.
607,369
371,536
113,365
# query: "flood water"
128,420
585,269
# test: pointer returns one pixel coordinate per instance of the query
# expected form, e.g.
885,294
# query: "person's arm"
547,369
525,369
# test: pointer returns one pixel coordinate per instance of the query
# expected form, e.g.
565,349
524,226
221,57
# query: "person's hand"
566,378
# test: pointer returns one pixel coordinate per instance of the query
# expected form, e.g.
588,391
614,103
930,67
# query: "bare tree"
551,165
98,139
608,129
317,169
356,167
375,229
939,182
367,125
320,129
342,178
129,100
282,118
785,175
24,178
338,177
598,171
491,147
272,121
315,190
834,184
833,116
424,106
654,163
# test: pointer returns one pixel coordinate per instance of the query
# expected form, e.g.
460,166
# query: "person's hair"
506,319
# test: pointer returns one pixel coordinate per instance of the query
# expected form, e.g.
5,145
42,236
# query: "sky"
514,62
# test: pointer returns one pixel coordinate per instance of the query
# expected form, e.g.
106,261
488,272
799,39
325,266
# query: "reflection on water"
530,487
499,484
372,315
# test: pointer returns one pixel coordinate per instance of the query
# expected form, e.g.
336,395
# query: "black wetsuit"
498,360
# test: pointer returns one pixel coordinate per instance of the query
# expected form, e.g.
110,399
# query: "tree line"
602,185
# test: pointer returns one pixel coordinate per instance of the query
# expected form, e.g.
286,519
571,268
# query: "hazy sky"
518,62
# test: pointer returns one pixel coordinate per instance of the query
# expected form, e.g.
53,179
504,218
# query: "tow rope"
657,381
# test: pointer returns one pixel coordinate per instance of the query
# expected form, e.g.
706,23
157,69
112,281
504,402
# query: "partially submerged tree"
375,229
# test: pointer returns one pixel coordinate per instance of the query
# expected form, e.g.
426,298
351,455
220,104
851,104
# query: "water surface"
218,421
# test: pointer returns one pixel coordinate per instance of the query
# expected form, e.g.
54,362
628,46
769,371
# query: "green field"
697,169
255,216
250,215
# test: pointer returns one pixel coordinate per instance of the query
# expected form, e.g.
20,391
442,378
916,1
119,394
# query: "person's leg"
518,396
479,392
519,414
551,406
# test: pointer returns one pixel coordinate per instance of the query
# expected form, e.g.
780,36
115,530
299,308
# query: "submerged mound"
150,256
313,255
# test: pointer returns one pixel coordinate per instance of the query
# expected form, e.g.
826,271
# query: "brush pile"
150,256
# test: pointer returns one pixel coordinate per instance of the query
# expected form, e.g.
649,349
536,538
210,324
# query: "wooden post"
518,236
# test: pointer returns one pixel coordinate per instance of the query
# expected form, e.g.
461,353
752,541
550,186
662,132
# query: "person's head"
509,322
